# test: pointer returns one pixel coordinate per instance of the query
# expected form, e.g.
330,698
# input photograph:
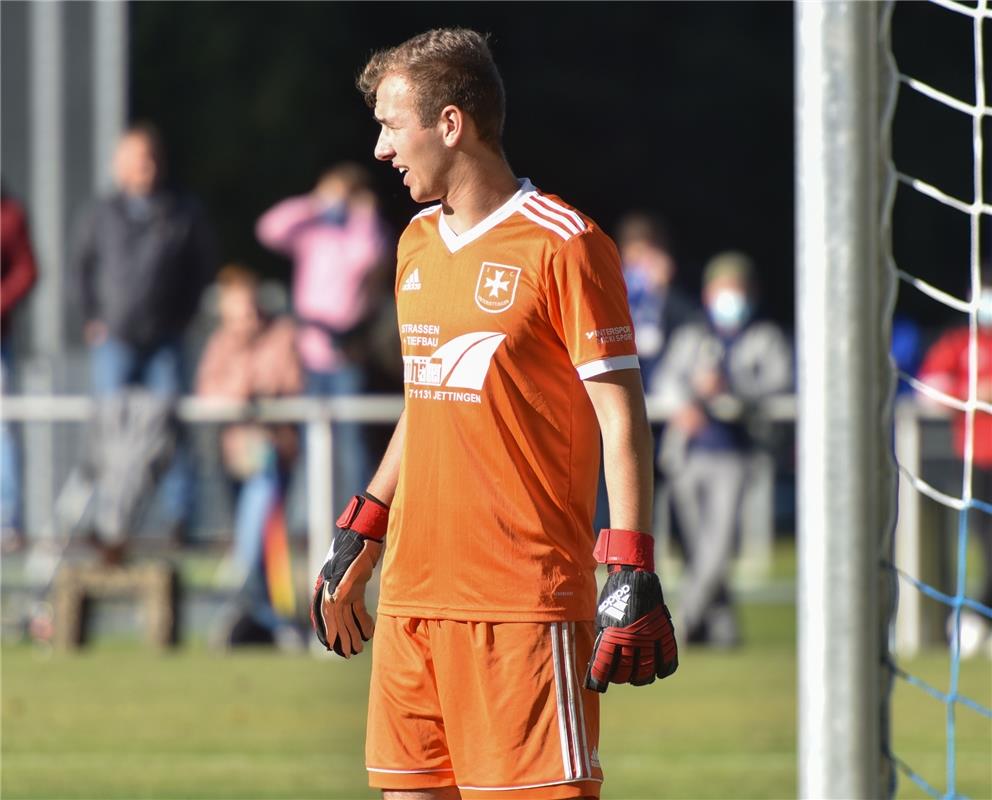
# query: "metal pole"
842,294
47,171
110,83
909,537
320,511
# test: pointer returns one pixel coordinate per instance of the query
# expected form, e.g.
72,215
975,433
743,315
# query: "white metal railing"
316,413
916,534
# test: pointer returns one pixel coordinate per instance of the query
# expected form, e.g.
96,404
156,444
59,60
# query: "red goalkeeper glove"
635,640
338,612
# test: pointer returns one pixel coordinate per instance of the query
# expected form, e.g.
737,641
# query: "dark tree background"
681,108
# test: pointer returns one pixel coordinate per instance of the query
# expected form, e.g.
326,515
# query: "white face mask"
729,309
985,308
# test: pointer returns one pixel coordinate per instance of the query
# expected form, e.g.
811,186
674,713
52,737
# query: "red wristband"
629,548
365,517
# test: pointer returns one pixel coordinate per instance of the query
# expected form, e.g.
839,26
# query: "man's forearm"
627,460
627,448
383,483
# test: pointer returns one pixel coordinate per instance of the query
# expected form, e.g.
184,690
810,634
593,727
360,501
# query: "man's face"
654,265
238,311
728,302
135,169
418,153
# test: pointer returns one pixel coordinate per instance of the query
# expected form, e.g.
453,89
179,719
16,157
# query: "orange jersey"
492,518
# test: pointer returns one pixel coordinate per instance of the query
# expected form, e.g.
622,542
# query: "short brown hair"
640,226
730,264
236,275
446,66
150,132
350,173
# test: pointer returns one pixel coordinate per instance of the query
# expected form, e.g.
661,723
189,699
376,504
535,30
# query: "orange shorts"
496,709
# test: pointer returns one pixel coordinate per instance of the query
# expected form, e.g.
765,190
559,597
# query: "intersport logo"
461,363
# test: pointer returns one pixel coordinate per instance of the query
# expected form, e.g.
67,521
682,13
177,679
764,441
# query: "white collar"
456,241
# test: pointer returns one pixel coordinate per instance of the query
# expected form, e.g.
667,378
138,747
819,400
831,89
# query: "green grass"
117,721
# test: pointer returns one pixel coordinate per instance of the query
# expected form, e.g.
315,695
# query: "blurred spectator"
946,368
907,350
657,306
17,275
246,358
713,374
337,241
142,256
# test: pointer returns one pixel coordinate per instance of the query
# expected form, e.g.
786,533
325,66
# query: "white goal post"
845,291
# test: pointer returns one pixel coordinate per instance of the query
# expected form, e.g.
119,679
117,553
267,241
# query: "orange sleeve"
587,305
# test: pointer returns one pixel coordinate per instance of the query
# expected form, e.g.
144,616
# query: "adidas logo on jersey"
615,606
412,283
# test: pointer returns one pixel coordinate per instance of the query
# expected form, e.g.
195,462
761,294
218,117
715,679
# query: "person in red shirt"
18,271
18,274
947,368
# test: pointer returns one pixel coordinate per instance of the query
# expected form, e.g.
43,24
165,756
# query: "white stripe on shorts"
408,771
556,659
521,786
578,727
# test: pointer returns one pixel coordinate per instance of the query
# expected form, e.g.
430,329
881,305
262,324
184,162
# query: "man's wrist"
368,495
626,548
367,516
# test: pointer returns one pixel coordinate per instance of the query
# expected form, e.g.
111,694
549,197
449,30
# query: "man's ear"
452,125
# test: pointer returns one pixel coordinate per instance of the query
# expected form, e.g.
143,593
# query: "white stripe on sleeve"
559,207
544,222
534,205
593,368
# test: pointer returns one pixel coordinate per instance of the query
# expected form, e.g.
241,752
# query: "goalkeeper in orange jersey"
518,350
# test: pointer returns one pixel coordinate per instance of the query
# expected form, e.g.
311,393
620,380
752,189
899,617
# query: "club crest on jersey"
496,288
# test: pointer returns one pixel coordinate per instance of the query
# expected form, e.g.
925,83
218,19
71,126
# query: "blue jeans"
10,457
115,365
351,457
256,499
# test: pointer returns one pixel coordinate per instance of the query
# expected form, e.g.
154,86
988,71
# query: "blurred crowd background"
219,228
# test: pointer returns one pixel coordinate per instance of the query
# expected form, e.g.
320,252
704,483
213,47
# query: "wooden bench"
153,583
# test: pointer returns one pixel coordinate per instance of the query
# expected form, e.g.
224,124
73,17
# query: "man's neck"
477,189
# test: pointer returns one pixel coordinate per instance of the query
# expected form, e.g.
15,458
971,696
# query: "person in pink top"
338,244
946,367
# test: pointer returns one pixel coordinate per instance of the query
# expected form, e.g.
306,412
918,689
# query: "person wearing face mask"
657,306
141,257
712,375
946,368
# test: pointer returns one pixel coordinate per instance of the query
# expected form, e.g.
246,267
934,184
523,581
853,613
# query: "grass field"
119,722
